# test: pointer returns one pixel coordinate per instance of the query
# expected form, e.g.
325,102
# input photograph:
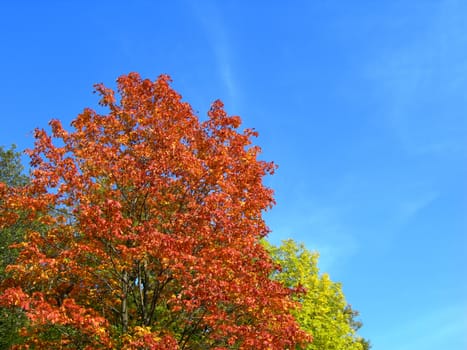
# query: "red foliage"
150,233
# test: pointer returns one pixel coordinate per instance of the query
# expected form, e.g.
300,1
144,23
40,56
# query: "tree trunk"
125,301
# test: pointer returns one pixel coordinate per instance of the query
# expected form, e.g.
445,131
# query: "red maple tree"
147,231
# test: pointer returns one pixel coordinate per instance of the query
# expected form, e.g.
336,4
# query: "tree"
11,169
324,312
11,174
152,231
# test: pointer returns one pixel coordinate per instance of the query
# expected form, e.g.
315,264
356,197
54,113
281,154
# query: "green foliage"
324,311
11,320
11,175
11,169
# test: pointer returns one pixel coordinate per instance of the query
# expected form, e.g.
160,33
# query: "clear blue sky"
363,104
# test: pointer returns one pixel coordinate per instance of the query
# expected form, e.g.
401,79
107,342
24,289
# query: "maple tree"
325,313
151,231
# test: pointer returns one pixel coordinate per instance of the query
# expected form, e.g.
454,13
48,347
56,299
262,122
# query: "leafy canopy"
11,174
324,312
151,231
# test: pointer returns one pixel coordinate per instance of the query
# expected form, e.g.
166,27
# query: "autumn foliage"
147,231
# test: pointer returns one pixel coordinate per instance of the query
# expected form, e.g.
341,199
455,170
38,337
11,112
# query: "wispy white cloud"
409,207
330,236
321,227
211,19
362,214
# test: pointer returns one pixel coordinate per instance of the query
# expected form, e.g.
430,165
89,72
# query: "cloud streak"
410,207
320,226
211,19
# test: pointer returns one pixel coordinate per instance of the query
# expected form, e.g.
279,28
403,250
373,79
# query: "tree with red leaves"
151,227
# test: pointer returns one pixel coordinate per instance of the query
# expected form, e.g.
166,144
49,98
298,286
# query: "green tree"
11,169
11,177
324,311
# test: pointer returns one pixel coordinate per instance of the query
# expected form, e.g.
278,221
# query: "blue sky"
362,104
